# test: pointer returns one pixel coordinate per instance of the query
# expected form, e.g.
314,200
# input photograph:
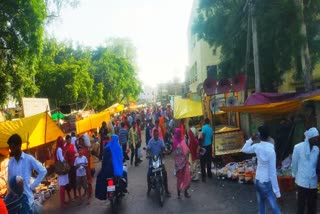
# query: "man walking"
304,162
22,164
206,158
123,139
133,140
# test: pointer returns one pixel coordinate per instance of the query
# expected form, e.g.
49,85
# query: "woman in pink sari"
181,153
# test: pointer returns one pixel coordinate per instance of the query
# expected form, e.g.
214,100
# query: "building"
202,61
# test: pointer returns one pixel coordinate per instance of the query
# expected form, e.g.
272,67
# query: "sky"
157,28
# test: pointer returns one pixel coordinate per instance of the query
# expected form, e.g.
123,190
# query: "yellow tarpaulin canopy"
34,131
115,108
92,122
272,108
184,108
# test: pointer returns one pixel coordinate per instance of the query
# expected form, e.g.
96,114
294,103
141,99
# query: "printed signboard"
228,142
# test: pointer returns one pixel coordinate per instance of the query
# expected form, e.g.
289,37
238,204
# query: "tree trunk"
304,51
255,52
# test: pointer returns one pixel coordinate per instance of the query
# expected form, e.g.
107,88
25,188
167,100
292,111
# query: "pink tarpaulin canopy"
266,98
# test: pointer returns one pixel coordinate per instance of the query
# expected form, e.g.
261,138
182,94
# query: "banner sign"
33,106
229,142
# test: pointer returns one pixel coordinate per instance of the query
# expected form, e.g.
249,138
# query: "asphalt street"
214,196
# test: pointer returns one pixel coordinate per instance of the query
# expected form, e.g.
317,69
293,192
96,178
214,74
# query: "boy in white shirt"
81,162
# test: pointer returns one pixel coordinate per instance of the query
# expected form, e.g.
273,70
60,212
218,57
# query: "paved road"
214,196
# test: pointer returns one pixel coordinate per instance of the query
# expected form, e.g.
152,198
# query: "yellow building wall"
289,85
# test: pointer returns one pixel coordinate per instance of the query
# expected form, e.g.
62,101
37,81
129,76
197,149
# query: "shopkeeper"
22,164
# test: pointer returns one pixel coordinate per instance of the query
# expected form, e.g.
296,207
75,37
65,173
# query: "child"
81,162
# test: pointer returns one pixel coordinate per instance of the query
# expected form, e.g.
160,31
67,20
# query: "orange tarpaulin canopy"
272,108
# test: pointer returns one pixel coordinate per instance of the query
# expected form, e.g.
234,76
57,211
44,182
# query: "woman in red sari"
181,154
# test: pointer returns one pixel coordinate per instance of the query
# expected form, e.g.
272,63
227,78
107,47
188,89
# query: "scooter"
156,179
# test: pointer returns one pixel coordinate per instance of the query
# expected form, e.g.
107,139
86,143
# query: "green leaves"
71,75
223,23
21,31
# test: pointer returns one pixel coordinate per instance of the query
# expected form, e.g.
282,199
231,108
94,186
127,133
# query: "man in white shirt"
304,162
22,164
267,187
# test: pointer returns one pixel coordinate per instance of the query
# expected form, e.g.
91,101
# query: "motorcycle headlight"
156,164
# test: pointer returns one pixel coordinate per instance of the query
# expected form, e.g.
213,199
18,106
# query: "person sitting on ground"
17,201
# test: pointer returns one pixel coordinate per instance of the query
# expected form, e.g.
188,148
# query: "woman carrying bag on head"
63,180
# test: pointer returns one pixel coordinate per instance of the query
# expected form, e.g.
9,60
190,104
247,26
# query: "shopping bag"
140,153
61,167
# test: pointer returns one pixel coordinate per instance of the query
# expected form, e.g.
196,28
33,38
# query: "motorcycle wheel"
168,149
112,206
160,191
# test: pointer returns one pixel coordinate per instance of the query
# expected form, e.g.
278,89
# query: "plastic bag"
139,153
86,139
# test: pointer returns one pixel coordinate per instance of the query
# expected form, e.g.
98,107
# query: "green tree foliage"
223,23
63,74
123,48
117,75
97,77
21,32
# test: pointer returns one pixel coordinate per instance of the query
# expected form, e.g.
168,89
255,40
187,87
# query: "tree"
95,77
224,24
21,24
122,47
117,75
63,74
21,36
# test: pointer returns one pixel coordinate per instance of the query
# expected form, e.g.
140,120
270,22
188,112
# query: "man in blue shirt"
156,147
206,158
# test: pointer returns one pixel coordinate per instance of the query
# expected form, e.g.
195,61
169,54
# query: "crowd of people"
192,152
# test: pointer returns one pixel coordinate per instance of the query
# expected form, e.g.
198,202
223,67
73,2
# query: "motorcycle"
156,179
116,190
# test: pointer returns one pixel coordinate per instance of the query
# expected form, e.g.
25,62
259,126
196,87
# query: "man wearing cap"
304,162
22,164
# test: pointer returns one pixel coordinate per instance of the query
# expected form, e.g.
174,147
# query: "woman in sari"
17,201
181,153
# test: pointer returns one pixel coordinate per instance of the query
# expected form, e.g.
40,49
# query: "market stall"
274,107
37,133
